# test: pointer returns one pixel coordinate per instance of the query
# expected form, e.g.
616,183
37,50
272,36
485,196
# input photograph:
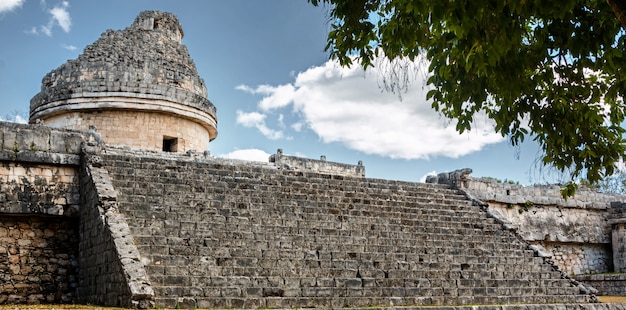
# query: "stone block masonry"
43,197
172,230
138,86
575,233
606,284
213,234
40,189
38,170
39,202
318,166
39,144
111,271
127,127
38,259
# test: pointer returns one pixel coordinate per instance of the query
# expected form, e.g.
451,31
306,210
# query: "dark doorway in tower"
170,144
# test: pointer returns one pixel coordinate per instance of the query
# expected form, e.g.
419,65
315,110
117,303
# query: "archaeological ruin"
110,197
138,87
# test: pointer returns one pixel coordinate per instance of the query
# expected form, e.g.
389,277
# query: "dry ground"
611,299
55,307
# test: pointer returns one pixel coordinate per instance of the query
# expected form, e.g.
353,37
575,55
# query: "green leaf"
554,64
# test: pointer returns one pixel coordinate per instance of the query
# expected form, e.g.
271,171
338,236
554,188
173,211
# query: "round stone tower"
138,87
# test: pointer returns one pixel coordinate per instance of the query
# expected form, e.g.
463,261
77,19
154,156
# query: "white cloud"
347,106
245,88
19,119
423,178
69,47
248,154
32,30
15,118
47,30
274,97
10,5
59,15
281,120
297,126
257,120
250,119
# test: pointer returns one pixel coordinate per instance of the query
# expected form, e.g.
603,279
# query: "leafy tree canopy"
550,70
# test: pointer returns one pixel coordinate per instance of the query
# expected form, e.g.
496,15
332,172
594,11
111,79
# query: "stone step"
313,301
496,286
404,261
186,275
260,182
223,212
370,252
337,199
320,229
326,220
367,251
247,267
382,242
326,302
236,289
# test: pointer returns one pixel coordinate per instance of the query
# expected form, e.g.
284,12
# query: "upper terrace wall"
318,166
574,232
39,202
39,169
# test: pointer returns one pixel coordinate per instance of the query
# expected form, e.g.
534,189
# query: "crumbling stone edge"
138,286
456,180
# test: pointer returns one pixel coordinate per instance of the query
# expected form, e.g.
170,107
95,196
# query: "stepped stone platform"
214,233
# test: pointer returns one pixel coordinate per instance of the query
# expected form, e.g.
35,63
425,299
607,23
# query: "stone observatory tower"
138,87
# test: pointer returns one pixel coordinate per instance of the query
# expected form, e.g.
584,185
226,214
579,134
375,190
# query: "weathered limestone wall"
39,144
318,166
577,258
38,188
143,68
38,170
577,239
575,232
111,270
39,203
606,284
547,195
215,234
38,259
141,59
137,129
44,190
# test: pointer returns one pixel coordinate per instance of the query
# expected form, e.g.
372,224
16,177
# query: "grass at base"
610,299
55,307
603,299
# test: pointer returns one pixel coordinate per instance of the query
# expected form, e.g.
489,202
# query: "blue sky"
273,84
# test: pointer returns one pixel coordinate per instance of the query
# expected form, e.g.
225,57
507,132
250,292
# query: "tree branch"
619,8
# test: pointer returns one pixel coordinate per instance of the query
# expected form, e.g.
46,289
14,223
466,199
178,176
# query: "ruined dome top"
167,23
145,60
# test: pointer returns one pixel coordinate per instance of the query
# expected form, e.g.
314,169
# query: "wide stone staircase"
218,235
